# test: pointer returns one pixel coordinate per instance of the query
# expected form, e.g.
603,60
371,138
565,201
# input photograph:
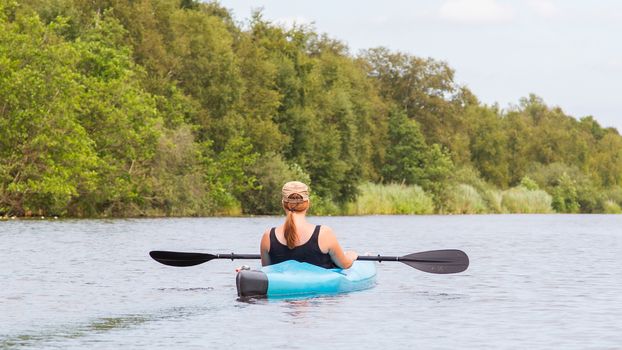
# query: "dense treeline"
169,107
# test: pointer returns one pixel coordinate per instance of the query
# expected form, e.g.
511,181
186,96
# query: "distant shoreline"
174,109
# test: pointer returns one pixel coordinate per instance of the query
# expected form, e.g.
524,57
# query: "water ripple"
535,281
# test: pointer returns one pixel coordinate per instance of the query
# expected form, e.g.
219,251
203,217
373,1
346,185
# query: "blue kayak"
293,278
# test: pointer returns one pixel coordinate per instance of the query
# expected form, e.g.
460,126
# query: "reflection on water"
303,307
74,331
197,289
538,281
439,297
52,335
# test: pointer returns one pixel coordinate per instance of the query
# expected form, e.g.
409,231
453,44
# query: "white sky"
569,52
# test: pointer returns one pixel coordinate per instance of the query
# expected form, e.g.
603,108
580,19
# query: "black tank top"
309,252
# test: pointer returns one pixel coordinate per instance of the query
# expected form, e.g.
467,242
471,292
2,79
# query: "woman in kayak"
300,240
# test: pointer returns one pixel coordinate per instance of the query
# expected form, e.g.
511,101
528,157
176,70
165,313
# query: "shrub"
271,172
323,206
565,198
572,190
529,184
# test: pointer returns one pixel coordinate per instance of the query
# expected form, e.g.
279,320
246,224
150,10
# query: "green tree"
46,157
227,174
425,90
120,117
488,144
409,160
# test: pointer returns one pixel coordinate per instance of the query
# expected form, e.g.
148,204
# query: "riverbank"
400,199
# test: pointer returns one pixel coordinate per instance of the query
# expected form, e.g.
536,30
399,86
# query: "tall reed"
390,199
494,200
611,207
464,199
522,200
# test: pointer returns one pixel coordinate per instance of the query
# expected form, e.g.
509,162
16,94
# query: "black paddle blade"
180,259
438,261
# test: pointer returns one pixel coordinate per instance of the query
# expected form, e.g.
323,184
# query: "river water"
535,281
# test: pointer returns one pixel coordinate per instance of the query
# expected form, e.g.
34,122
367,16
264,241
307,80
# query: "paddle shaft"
435,261
379,258
234,256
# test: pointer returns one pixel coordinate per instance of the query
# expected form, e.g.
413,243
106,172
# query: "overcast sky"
569,52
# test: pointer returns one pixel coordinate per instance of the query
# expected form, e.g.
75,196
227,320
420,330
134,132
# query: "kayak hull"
293,278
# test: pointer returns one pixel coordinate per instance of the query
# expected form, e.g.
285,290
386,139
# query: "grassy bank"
395,199
390,199
400,199
458,199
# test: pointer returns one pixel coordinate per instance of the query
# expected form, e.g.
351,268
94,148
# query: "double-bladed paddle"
434,261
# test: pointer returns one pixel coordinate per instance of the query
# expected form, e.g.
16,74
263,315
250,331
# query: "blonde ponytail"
289,228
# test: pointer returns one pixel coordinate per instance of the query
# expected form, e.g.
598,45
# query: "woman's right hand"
352,255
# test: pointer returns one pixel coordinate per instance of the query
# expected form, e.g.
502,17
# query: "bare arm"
264,248
329,244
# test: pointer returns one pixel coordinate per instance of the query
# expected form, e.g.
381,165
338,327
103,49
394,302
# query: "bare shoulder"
327,231
326,239
265,240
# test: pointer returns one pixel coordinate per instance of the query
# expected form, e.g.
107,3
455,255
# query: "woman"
300,240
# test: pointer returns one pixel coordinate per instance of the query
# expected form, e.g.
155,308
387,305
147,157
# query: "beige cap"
295,187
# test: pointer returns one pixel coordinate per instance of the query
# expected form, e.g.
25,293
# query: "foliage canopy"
171,107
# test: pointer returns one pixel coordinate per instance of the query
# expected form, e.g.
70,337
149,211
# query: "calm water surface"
535,281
